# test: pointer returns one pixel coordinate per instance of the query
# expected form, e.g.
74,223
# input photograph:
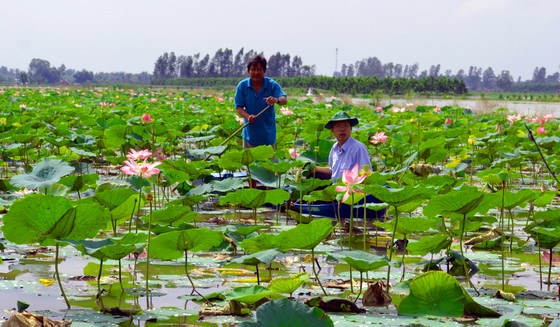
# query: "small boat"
331,209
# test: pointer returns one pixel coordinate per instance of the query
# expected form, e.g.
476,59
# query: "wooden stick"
238,130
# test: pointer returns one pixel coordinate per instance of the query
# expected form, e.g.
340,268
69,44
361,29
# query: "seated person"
346,152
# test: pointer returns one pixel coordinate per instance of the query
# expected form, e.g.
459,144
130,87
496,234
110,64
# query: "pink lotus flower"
548,117
299,120
350,178
240,120
397,109
379,109
379,137
513,118
293,154
448,121
138,155
541,130
437,109
142,169
286,111
146,119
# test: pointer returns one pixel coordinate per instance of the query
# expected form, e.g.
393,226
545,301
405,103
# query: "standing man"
347,151
252,95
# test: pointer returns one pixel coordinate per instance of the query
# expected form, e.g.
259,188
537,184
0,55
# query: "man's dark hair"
258,59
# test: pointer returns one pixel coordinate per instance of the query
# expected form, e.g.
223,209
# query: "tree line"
40,72
227,64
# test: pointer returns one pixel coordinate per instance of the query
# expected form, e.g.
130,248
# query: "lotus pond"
131,207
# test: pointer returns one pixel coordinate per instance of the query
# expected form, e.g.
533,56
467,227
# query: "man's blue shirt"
345,158
263,130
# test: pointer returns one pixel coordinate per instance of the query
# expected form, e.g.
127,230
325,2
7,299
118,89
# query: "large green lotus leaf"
112,199
202,153
408,225
519,198
258,243
115,136
362,261
121,202
80,182
231,160
283,312
173,245
432,143
473,308
458,201
246,230
280,167
304,236
553,214
304,186
398,196
248,197
266,257
248,294
84,153
546,237
429,244
277,196
221,186
227,184
266,177
112,248
324,194
543,231
434,293
288,284
171,214
37,218
45,173
544,198
262,153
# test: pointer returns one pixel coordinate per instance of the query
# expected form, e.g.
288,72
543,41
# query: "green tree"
539,75
504,82
489,79
83,76
41,72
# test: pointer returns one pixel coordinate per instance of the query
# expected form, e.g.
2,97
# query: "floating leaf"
45,173
40,218
304,237
433,293
362,261
284,312
461,202
248,295
248,197
173,245
266,257
429,244
288,284
112,248
172,214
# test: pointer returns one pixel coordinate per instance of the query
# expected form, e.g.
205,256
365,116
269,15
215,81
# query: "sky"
129,35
